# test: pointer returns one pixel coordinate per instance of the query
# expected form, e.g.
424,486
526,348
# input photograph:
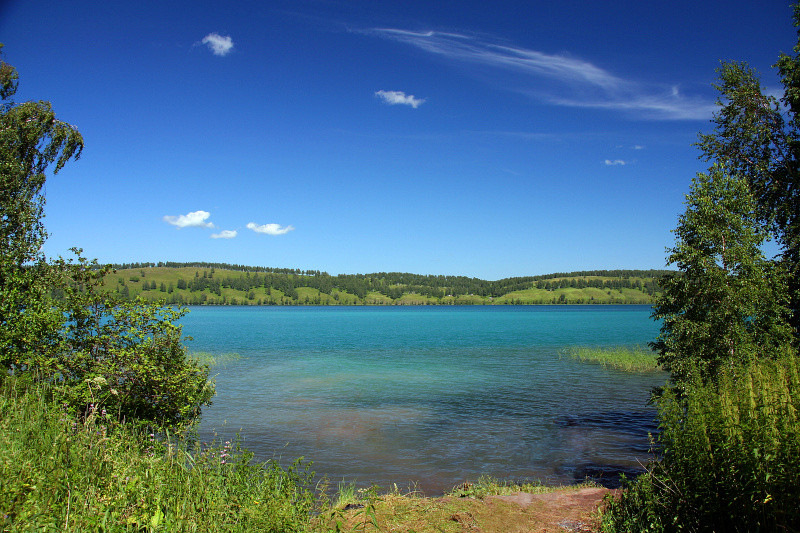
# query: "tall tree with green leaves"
757,136
58,322
730,318
32,140
728,304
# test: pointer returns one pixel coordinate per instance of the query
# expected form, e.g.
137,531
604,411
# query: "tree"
728,441
31,141
728,304
57,322
759,139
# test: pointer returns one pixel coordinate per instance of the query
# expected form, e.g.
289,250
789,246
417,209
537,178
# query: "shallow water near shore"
429,396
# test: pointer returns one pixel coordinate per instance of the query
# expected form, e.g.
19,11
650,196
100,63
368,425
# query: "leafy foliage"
730,457
759,140
728,304
31,140
730,431
124,356
58,473
56,325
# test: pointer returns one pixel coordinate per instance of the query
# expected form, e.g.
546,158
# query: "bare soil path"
564,510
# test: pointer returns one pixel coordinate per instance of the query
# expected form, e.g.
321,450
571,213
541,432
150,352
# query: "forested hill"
225,284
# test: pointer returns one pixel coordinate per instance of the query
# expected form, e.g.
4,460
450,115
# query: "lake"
429,396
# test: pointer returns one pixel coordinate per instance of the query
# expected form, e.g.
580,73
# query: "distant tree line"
648,286
214,277
221,266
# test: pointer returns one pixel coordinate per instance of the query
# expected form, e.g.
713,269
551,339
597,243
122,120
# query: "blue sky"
486,139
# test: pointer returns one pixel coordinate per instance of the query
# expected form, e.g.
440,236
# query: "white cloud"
195,219
638,147
225,234
399,97
662,106
615,162
558,79
270,229
220,45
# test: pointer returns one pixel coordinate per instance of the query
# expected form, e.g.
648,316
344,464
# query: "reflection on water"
606,445
430,396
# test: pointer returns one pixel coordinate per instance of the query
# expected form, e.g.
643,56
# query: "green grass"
415,299
376,298
62,473
59,473
620,358
490,486
586,295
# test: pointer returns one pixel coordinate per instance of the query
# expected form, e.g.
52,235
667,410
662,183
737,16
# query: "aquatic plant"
621,358
214,359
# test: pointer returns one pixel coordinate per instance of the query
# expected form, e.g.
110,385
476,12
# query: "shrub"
730,457
122,357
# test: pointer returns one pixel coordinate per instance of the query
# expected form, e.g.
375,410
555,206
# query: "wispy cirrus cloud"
527,135
225,234
616,162
558,78
195,219
220,45
270,229
399,98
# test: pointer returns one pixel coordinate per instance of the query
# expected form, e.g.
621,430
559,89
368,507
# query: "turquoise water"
431,396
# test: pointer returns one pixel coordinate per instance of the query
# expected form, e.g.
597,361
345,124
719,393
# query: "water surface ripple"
431,396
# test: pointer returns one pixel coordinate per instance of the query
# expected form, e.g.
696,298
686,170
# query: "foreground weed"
354,510
730,457
62,473
345,495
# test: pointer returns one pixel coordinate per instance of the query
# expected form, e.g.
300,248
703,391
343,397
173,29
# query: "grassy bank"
59,473
619,358
62,473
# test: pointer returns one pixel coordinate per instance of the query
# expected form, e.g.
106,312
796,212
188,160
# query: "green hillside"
221,284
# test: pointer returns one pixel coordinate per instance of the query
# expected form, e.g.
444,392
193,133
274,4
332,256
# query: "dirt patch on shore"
563,510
